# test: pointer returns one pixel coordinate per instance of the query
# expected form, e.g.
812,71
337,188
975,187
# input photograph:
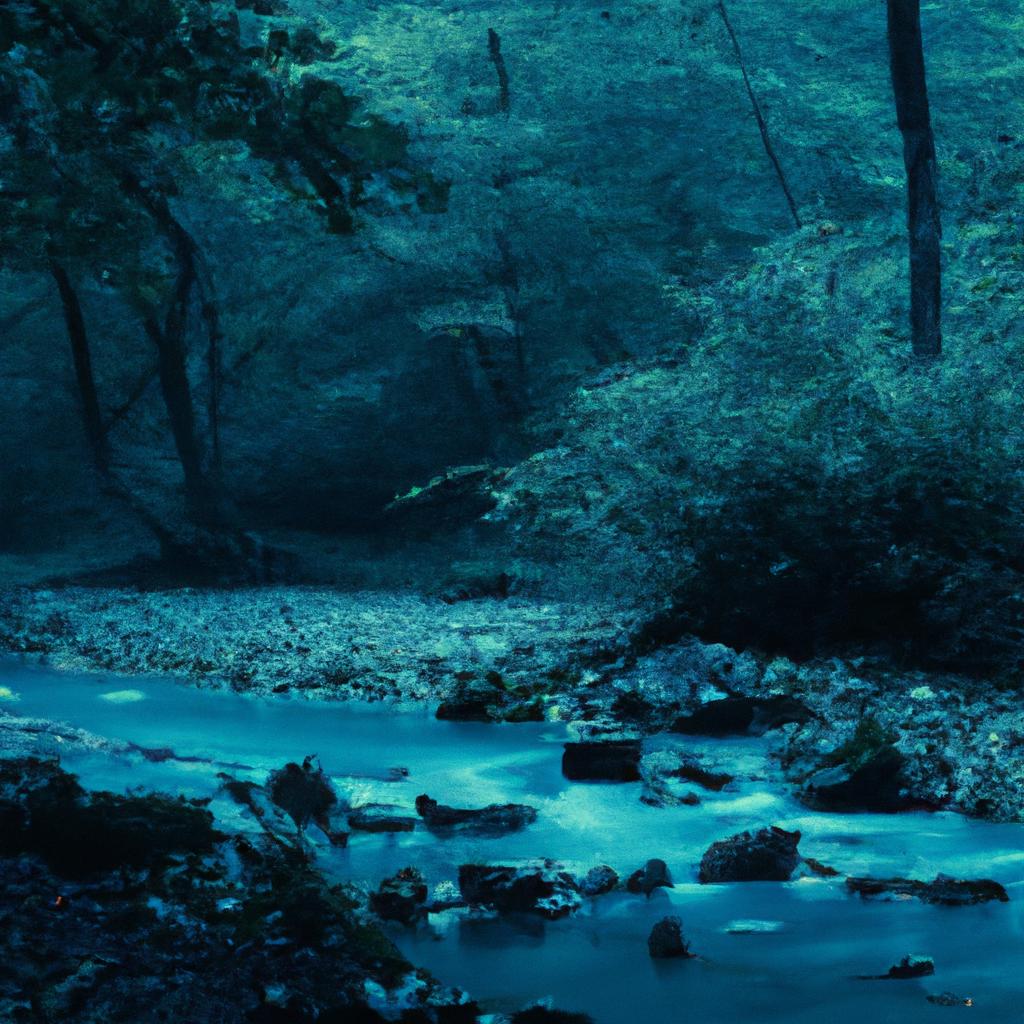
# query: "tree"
906,61
99,102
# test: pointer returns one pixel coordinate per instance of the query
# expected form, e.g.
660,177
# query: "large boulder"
494,819
539,887
653,875
948,891
666,940
602,761
768,855
739,716
877,785
401,898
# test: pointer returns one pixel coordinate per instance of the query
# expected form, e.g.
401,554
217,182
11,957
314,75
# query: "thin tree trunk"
92,418
906,60
498,60
762,125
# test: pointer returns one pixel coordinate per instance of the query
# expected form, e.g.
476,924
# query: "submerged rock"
738,716
950,892
653,875
494,819
380,818
666,940
540,887
598,880
950,999
544,1015
401,898
602,761
768,855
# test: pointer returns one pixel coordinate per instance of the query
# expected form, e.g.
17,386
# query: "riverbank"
888,739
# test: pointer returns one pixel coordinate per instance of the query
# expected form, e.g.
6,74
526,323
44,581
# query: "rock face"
666,940
494,819
738,716
539,887
598,880
768,855
604,761
950,892
653,875
401,897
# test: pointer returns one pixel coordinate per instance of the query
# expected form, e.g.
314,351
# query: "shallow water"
597,961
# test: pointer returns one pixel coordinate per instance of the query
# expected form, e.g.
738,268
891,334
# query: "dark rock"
912,967
693,771
951,892
495,819
666,940
401,897
542,1015
303,791
653,875
44,811
604,761
876,785
768,855
822,870
598,880
380,818
474,700
737,716
537,887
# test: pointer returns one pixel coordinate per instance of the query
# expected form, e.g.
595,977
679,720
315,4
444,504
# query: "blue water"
803,971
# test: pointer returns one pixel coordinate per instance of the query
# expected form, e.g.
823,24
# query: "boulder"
598,880
738,716
602,761
401,898
540,887
666,940
912,967
876,785
768,855
945,890
653,875
380,818
494,819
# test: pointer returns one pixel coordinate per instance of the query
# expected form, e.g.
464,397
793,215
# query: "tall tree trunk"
92,418
906,61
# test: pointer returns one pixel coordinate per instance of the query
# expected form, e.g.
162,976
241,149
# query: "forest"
510,512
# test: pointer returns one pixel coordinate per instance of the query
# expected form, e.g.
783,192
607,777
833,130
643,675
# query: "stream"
767,952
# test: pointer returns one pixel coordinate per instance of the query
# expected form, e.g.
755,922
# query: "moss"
869,740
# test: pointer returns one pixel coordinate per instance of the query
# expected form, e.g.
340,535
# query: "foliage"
102,97
792,476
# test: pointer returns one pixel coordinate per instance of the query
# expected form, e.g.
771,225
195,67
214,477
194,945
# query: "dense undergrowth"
791,476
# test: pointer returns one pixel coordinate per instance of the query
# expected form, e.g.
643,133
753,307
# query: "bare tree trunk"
92,418
498,60
762,125
906,61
